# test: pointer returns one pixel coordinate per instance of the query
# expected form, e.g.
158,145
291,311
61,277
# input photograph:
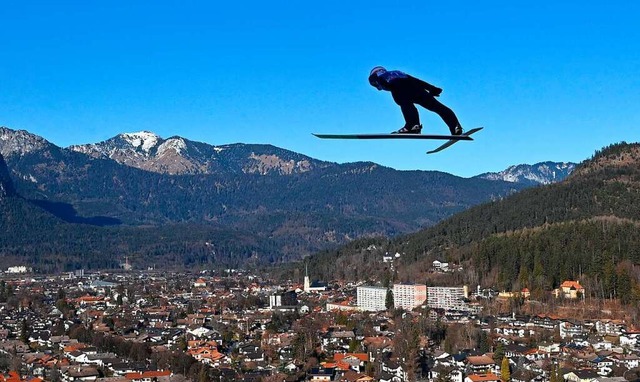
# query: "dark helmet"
373,76
377,69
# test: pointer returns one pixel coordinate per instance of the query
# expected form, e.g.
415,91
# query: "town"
234,325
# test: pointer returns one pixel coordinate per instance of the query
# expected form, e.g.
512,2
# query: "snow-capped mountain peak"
177,155
539,173
176,144
143,140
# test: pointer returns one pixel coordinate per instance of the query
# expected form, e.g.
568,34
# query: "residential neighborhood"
145,326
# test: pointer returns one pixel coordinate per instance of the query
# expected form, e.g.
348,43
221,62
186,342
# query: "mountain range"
539,173
175,199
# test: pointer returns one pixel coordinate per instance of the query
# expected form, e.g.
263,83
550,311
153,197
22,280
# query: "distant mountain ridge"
179,156
20,142
278,205
539,173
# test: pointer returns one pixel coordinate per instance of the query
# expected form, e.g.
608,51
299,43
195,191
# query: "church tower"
307,284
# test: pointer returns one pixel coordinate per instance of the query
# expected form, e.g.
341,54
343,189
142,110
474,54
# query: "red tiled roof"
148,374
363,357
483,377
480,360
571,284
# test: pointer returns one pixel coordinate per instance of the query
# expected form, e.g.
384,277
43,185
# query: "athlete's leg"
448,116
409,111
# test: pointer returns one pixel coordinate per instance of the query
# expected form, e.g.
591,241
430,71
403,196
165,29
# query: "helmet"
377,69
373,77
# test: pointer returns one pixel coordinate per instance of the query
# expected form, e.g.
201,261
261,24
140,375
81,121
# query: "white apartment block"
18,269
409,296
448,298
372,298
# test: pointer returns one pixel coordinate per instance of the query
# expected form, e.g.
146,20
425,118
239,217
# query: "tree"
505,373
555,374
499,353
484,344
24,331
389,302
61,294
203,375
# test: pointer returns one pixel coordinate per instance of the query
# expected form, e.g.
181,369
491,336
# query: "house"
610,327
338,337
443,372
387,377
570,289
353,361
544,322
629,339
515,350
79,373
481,365
524,293
549,347
490,377
123,368
148,376
569,329
395,368
629,361
523,375
603,365
353,376
321,375
581,376
440,266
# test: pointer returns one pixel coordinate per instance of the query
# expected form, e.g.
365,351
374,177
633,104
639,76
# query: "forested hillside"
587,228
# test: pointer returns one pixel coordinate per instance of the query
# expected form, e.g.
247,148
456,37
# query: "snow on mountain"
143,140
539,173
142,143
176,145
19,142
148,151
176,155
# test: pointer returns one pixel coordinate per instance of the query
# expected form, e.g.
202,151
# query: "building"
372,298
489,377
448,298
482,365
18,269
570,329
439,266
570,289
312,287
409,296
283,301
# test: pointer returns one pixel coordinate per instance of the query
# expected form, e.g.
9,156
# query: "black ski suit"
408,91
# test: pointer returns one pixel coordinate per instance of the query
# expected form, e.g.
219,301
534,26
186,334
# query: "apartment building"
448,298
371,298
409,296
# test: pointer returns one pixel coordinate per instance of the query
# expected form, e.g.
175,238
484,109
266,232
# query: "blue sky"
549,80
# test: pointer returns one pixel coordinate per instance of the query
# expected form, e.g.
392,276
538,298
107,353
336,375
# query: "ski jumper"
408,91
